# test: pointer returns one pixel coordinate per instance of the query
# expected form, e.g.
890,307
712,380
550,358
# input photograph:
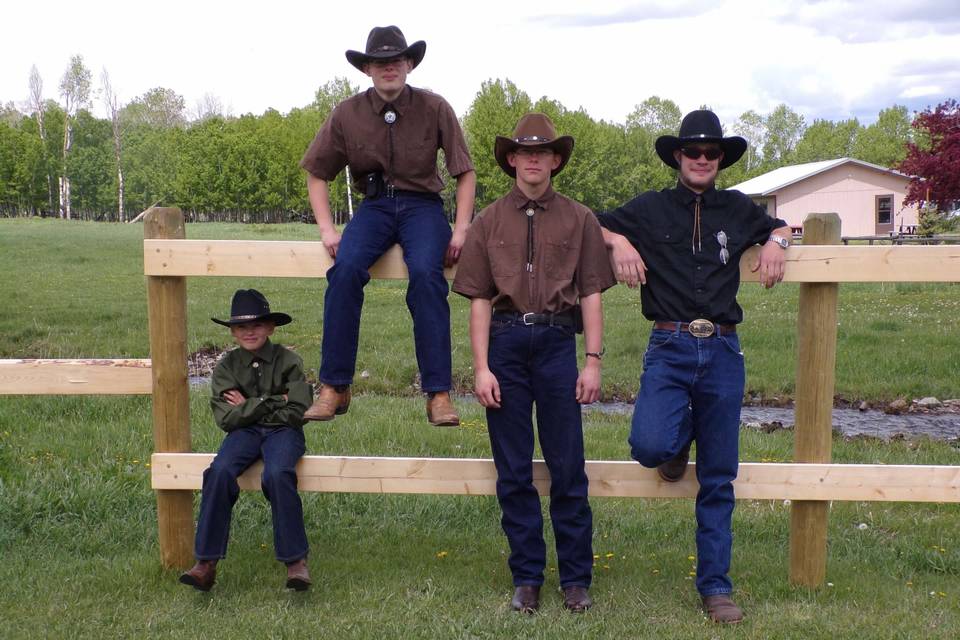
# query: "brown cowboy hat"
533,130
385,43
249,305
700,126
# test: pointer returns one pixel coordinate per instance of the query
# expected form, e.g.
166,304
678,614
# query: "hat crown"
249,303
534,128
385,39
701,124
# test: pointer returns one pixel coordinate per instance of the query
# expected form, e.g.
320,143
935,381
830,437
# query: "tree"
210,106
784,129
38,108
75,91
885,141
934,163
752,127
159,107
826,140
656,115
112,103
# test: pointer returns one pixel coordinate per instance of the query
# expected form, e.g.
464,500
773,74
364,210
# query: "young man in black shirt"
684,245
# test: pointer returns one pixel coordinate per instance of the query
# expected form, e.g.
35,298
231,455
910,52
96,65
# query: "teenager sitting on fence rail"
389,136
691,239
259,394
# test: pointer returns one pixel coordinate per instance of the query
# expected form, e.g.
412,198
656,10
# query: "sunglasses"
694,153
722,240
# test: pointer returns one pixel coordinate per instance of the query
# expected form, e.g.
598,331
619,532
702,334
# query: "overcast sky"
829,59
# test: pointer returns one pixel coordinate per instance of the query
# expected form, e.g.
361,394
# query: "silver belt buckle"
700,328
528,322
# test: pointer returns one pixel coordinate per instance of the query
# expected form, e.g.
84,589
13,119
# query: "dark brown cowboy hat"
701,126
385,43
533,130
249,305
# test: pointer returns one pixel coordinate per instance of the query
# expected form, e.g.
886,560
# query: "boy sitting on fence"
259,396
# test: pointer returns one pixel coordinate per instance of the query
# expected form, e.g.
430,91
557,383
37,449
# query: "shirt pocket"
561,259
506,258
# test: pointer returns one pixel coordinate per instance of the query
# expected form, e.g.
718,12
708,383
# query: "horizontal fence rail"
309,259
611,479
91,376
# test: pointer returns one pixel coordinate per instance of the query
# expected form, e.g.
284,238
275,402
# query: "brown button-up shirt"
539,263
356,134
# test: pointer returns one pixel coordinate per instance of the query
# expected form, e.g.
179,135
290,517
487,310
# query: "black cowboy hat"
701,126
249,305
385,43
533,130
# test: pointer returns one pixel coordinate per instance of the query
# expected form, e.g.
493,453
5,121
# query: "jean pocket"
498,328
731,342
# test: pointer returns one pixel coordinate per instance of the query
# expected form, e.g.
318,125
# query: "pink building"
868,198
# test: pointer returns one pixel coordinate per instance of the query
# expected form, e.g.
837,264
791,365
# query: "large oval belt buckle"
700,328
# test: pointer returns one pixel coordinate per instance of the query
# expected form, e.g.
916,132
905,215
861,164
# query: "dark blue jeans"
692,389
418,223
280,449
538,365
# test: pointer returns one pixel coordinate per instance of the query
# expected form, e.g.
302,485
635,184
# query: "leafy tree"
159,107
885,141
495,111
656,115
934,163
75,91
751,127
826,140
784,129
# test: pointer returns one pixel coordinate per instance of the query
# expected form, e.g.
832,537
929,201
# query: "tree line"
58,159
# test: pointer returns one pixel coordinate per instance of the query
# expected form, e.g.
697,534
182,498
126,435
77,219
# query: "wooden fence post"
167,312
816,376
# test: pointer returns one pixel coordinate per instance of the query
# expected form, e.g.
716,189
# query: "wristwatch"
780,240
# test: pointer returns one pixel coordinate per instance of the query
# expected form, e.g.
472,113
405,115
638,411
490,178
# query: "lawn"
78,522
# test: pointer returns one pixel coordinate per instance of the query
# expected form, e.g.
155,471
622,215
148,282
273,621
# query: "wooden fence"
810,482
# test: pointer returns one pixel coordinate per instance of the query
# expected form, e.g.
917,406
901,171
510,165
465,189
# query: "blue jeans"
538,364
418,223
692,389
280,449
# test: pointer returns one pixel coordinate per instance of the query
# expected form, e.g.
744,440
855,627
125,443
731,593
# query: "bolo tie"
530,211
695,245
390,116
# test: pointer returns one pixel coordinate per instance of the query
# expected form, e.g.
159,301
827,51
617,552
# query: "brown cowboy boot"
576,599
440,410
201,576
526,598
672,470
329,403
298,577
720,608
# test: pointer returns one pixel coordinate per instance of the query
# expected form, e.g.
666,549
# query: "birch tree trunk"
39,110
113,110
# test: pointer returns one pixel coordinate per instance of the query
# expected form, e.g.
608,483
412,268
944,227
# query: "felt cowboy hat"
385,43
701,126
249,305
534,130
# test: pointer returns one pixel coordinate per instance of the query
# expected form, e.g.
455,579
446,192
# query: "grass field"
78,529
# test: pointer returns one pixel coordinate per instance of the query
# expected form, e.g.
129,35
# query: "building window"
884,209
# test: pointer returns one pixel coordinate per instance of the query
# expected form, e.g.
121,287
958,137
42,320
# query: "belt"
699,328
562,319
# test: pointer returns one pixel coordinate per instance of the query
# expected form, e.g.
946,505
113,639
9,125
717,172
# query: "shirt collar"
686,196
264,353
520,200
400,104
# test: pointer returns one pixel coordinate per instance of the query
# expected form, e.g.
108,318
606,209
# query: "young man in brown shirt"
529,259
389,136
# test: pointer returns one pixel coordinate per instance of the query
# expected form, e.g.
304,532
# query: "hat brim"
733,148
414,52
563,146
278,319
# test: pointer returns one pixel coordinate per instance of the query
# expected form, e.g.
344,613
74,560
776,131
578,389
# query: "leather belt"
562,319
699,328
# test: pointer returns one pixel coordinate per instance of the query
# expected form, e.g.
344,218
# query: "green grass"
78,527
80,552
77,290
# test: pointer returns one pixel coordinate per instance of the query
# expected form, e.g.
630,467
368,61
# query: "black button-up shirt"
686,276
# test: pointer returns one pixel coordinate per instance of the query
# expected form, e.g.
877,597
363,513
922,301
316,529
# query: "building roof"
777,179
